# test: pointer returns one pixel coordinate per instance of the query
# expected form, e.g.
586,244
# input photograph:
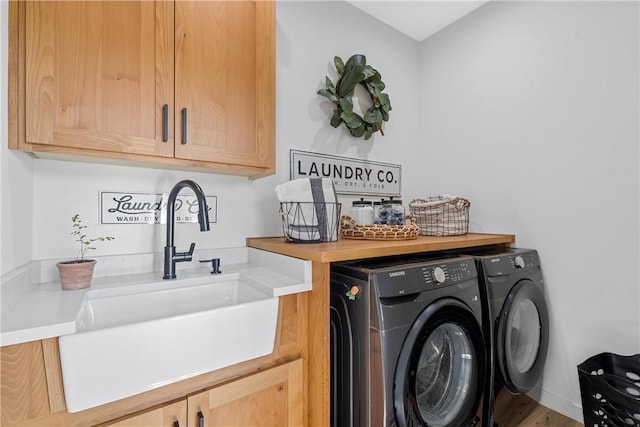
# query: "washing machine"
407,346
516,323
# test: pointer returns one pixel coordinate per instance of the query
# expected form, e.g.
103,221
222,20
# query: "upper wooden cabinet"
97,75
224,82
176,84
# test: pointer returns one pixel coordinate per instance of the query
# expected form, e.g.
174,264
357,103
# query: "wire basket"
310,222
610,390
441,215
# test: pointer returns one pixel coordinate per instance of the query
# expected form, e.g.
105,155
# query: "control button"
439,275
519,262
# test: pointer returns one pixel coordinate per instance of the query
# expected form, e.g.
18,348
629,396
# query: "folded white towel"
311,196
303,232
306,190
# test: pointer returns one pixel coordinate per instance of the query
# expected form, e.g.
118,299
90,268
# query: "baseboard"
558,404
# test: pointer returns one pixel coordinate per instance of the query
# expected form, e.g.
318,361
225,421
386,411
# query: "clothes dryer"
407,347
516,322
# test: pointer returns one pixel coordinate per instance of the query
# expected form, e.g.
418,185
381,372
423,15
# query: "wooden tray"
350,229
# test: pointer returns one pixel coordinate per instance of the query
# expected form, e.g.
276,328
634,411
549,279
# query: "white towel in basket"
312,194
303,232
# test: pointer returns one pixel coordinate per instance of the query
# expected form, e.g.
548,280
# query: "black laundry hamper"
610,390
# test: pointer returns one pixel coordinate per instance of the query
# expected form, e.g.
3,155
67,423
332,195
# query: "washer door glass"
440,370
443,373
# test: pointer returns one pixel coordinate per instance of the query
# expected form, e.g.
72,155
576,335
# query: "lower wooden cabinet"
273,397
169,415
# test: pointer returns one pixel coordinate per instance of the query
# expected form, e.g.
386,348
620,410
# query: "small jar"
362,211
377,207
393,211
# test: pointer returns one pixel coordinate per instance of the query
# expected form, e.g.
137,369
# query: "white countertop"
34,309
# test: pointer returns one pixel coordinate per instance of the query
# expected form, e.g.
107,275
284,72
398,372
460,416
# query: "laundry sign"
349,176
151,208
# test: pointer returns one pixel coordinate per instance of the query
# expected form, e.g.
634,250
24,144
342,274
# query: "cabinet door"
225,78
98,74
273,397
170,415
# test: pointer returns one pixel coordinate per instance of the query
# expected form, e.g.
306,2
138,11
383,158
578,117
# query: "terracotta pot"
76,274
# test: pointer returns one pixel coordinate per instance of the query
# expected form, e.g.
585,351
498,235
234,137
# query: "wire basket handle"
458,202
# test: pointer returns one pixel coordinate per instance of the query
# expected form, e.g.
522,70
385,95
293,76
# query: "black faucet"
170,254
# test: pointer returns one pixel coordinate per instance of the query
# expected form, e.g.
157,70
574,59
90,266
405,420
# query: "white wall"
16,176
309,35
531,109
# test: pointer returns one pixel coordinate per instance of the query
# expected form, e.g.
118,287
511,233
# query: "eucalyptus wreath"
354,72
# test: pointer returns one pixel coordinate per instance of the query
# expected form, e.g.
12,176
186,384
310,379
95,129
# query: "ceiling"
417,18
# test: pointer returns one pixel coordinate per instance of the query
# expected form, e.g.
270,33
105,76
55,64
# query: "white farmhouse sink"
136,338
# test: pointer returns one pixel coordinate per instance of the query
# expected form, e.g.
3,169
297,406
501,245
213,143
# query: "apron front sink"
141,337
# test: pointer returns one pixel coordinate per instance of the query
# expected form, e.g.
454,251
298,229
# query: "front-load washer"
516,325
407,347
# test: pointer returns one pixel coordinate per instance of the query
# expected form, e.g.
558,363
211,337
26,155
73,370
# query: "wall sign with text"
349,176
150,208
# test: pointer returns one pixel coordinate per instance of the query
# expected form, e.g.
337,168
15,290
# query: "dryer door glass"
440,370
522,336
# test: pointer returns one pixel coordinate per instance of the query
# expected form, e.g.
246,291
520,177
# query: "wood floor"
522,411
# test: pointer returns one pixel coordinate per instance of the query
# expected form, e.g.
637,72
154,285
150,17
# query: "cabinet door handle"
200,419
184,125
165,125
176,424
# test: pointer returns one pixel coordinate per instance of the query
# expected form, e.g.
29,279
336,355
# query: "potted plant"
77,274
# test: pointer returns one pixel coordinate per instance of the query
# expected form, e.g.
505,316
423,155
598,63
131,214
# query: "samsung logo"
495,260
397,273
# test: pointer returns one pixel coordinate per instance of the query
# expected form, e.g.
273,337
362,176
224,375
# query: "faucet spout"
171,257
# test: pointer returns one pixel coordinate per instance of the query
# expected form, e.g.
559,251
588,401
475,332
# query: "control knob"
439,274
519,262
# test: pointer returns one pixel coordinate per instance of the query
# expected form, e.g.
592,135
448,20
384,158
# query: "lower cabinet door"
169,415
273,397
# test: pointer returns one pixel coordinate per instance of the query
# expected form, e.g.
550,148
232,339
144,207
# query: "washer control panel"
420,276
524,260
447,273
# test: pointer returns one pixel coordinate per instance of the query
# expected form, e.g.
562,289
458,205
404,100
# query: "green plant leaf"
385,115
386,103
353,74
337,61
377,84
355,122
346,103
368,133
359,131
368,72
336,118
346,117
371,114
330,87
332,97
378,94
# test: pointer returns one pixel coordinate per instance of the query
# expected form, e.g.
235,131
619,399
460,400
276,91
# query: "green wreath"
356,71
